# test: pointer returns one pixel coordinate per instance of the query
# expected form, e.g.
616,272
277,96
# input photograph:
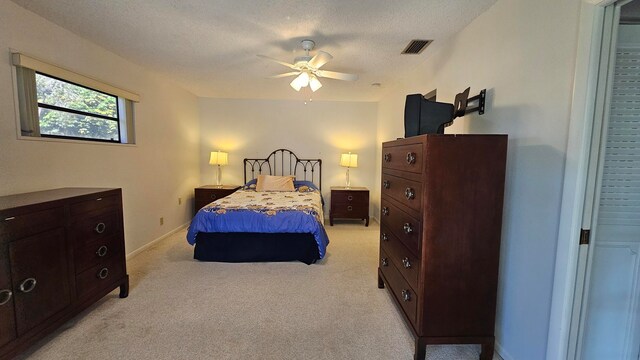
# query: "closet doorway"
606,322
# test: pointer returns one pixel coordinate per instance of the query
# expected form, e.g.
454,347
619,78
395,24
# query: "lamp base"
348,183
219,177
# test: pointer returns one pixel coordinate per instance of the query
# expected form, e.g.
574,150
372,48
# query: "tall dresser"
60,251
440,235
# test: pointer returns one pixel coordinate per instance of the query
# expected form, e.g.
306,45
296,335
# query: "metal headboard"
284,162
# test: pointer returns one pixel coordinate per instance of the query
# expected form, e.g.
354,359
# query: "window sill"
72,141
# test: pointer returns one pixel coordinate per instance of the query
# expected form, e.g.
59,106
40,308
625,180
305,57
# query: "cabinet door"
7,317
40,275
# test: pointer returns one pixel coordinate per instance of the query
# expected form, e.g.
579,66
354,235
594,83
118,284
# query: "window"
57,103
68,110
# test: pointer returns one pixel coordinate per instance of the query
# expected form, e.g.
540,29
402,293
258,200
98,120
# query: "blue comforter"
264,212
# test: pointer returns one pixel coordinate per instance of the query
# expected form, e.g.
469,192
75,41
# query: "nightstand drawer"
340,210
207,194
350,197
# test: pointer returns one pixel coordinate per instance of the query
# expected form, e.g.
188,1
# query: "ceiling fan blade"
284,75
337,75
320,59
278,61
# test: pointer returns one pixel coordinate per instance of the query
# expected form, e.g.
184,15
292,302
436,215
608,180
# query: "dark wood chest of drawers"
209,193
60,251
441,205
349,203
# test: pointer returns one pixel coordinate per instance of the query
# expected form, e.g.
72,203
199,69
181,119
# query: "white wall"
254,128
523,52
161,167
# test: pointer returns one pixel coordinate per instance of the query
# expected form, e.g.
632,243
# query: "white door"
610,319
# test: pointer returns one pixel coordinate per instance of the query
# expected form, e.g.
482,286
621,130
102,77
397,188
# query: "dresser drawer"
404,294
100,276
403,157
96,203
406,262
92,253
405,191
15,225
101,225
402,225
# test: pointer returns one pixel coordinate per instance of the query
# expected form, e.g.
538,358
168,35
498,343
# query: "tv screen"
422,116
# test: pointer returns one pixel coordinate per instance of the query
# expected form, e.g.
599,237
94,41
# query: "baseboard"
502,352
153,242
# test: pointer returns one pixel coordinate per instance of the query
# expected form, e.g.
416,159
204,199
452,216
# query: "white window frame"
125,99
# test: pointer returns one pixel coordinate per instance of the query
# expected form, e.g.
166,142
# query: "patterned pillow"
275,183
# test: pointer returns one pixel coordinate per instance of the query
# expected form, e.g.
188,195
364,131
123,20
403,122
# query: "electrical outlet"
161,220
179,201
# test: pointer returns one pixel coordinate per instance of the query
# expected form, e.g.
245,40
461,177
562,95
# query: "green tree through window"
69,110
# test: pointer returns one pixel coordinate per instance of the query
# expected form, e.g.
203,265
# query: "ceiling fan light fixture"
295,84
300,81
314,83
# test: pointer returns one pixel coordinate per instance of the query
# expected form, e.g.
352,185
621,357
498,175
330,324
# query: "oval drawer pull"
386,184
103,273
213,196
411,158
409,193
5,296
102,251
406,295
100,227
349,208
387,157
384,237
406,263
385,211
384,262
28,285
349,197
408,229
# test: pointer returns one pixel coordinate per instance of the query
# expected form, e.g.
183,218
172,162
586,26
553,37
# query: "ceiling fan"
307,69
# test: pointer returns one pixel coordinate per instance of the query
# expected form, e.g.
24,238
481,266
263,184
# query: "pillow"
274,183
304,186
251,185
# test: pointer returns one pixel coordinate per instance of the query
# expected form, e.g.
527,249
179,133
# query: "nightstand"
349,203
209,193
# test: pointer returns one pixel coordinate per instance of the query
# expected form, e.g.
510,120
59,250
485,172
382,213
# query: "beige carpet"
179,308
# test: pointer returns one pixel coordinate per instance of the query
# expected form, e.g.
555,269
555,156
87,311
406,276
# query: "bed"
259,226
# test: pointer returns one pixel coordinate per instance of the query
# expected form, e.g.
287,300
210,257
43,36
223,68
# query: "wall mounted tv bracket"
462,102
479,106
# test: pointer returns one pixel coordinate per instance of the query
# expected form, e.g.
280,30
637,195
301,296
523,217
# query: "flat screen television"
422,116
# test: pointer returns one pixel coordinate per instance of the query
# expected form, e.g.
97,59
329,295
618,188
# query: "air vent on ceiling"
416,46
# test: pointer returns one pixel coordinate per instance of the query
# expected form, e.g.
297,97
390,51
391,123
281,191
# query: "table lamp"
219,158
349,161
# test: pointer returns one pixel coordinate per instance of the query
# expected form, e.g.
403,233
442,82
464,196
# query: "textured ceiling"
210,46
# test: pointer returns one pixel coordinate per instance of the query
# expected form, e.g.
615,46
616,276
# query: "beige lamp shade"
349,160
219,158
